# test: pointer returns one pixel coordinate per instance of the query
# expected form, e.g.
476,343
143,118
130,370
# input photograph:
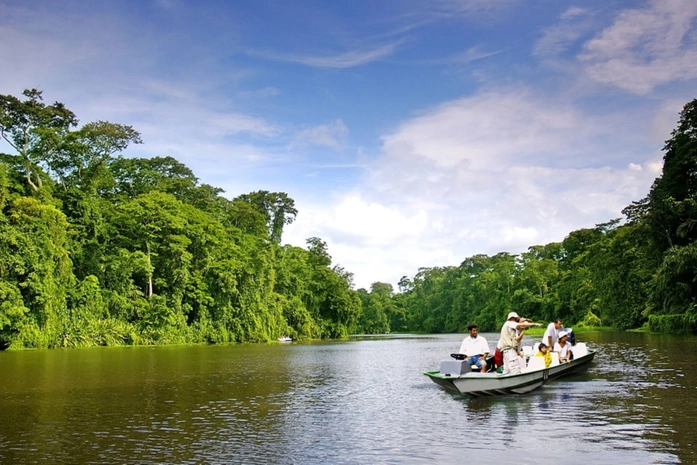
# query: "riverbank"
577,329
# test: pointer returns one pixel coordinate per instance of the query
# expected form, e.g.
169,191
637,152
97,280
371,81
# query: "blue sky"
410,133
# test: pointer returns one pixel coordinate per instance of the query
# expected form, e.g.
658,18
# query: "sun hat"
563,334
512,315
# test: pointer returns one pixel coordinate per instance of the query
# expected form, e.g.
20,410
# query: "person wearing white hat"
563,348
511,333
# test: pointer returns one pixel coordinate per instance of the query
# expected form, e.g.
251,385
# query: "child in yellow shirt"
544,352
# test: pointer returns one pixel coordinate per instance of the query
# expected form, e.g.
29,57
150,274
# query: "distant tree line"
632,272
100,249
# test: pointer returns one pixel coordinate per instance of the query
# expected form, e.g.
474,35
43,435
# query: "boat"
476,384
285,339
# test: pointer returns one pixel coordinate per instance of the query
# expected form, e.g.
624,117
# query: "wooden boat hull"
492,384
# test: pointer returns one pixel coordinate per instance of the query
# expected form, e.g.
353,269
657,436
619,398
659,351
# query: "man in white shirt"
552,333
475,348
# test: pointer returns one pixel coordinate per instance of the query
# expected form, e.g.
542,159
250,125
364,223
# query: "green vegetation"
99,249
636,273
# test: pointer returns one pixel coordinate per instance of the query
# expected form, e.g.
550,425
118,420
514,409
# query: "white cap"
512,315
562,334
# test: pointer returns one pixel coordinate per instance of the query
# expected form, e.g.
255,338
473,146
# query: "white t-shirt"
563,351
477,346
553,332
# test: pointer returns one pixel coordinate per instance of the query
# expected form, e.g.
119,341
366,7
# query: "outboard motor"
571,337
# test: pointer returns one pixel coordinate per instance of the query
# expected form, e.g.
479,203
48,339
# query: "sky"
410,133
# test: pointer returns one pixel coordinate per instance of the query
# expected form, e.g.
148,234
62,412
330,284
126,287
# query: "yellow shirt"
547,356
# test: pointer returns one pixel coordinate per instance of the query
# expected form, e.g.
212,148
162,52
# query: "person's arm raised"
527,324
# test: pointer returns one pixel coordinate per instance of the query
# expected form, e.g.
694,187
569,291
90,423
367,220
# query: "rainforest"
100,249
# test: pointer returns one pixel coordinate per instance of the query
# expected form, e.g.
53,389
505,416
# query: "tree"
80,158
26,124
137,176
278,209
671,217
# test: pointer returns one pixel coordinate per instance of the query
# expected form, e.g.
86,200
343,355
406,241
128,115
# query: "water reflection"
362,401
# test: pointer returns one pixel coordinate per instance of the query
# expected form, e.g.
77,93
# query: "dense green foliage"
625,274
99,249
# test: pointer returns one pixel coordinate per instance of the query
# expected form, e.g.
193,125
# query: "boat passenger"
498,359
476,348
510,341
563,348
551,335
498,353
543,351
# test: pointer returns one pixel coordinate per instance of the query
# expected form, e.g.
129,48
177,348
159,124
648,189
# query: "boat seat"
535,347
555,359
535,363
527,351
461,357
580,350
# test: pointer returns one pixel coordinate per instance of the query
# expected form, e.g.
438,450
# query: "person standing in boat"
552,333
475,348
563,348
509,342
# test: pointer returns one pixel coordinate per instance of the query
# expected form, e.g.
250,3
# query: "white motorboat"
458,376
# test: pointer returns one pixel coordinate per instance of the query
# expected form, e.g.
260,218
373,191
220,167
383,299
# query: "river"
363,401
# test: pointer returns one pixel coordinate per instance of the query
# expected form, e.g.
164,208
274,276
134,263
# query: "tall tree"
277,207
26,124
80,158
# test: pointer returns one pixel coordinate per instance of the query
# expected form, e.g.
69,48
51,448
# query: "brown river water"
362,401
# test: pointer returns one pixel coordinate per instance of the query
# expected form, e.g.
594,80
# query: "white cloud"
645,47
374,224
476,133
348,59
560,37
232,123
469,7
498,171
573,12
265,92
330,135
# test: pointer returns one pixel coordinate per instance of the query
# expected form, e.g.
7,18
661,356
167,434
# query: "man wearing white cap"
509,341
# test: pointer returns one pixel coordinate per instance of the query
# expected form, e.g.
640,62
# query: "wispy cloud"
342,166
330,135
646,47
469,55
348,59
265,92
573,24
233,123
472,6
